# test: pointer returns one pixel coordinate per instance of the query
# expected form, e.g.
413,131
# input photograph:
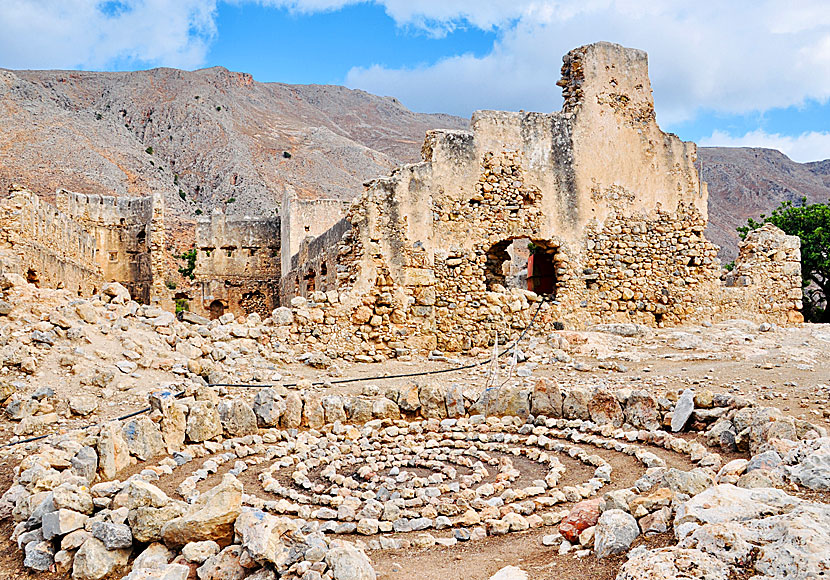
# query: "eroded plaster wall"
609,204
237,265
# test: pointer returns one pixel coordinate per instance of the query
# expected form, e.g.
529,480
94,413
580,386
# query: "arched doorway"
32,277
217,309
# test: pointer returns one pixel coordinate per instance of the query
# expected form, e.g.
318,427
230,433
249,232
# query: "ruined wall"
301,219
121,227
46,246
609,206
766,278
237,265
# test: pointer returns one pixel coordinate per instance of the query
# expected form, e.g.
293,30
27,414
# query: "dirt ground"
786,368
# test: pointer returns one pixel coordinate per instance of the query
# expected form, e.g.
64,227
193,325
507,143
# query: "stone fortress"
592,211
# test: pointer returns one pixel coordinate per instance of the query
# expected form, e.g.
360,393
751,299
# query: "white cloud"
811,146
729,57
96,34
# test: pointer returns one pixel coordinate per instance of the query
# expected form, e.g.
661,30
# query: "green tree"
811,223
189,258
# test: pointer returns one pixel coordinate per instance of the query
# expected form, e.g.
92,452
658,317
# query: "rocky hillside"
747,182
218,138
206,138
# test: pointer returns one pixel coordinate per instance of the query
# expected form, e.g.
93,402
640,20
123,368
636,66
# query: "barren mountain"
746,182
218,138
205,138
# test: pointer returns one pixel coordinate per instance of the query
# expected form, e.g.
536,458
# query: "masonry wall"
238,265
122,229
302,219
46,246
610,204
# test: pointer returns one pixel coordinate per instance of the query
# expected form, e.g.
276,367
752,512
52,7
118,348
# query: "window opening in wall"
324,272
307,228
522,263
32,278
113,256
217,309
310,281
141,236
541,271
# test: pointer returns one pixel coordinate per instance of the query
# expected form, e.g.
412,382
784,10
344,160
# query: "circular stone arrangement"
385,483
392,477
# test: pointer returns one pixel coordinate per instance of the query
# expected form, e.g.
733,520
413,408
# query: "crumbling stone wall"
237,265
46,246
121,227
84,240
766,278
302,219
609,207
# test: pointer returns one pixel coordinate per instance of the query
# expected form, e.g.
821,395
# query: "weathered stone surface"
604,409
113,536
615,531
237,417
72,496
211,517
85,463
143,438
672,564
198,552
583,515
154,556
166,572
223,566
575,404
82,404
203,422
93,561
546,398
812,464
293,414
786,536
268,408
61,522
262,536
683,410
349,563
641,410
113,452
313,415
433,401
333,409
173,422
39,556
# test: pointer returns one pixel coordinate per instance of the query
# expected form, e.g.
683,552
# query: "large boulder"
262,536
143,438
784,536
173,422
293,414
203,422
268,408
211,516
673,564
433,401
93,561
113,452
604,408
237,417
616,530
349,563
581,517
546,398
641,410
683,410
575,404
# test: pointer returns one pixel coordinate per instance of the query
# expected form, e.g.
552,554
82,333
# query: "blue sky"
742,73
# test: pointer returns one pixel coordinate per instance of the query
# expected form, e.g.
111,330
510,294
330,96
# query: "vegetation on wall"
811,223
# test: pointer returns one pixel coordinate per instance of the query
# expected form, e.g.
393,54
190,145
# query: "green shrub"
189,258
149,150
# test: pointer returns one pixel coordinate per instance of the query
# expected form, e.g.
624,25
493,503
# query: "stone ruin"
592,209
341,478
84,241
606,208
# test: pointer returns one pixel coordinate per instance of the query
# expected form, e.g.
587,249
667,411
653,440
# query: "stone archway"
217,308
